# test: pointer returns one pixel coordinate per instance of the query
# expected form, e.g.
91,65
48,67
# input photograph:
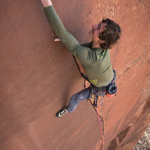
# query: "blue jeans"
78,97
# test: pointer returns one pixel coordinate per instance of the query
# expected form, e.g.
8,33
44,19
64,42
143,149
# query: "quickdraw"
98,93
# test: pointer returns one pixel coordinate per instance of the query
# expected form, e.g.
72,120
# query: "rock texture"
144,142
38,76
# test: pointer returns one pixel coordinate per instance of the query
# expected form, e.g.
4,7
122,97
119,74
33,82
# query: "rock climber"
94,56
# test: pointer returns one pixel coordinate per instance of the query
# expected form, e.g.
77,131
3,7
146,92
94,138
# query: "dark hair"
111,35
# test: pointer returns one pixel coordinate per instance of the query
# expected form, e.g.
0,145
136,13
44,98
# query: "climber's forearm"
69,41
46,3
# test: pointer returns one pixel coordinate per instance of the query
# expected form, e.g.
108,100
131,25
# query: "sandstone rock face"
38,76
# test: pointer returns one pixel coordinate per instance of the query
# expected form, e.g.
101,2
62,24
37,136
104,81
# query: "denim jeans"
78,97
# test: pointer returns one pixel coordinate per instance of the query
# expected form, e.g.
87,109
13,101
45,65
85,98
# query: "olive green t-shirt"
95,61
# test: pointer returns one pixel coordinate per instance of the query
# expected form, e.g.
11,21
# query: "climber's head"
106,33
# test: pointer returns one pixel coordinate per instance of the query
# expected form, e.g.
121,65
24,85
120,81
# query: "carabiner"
101,102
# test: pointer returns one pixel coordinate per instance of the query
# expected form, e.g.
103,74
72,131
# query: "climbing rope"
101,141
101,128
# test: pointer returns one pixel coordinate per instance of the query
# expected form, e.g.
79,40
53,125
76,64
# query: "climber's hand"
57,39
46,3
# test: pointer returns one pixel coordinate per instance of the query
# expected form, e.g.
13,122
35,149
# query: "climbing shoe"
62,112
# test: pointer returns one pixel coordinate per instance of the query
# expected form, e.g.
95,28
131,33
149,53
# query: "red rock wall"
38,76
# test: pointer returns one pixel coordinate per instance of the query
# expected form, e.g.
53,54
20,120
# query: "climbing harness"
108,90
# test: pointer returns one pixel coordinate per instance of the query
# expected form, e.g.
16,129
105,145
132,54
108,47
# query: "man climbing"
94,56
